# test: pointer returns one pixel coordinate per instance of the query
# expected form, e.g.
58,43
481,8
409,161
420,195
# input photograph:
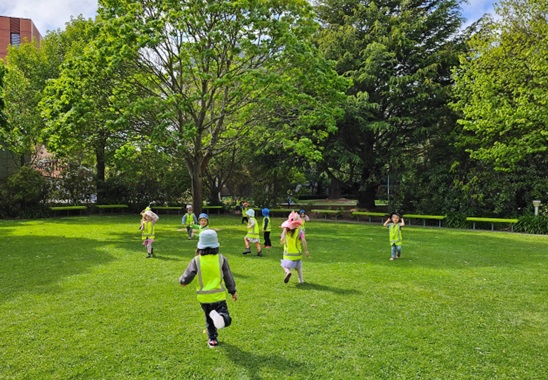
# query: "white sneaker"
218,320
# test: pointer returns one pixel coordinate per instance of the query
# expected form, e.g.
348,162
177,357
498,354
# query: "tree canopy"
500,87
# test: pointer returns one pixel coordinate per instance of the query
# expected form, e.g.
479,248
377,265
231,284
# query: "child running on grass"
394,224
148,220
203,224
189,219
294,244
212,270
267,227
252,235
304,218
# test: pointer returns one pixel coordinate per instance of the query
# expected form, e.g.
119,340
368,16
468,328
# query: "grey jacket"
192,269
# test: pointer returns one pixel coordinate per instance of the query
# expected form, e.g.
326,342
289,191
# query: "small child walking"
394,224
304,218
245,208
294,244
189,220
148,221
252,236
212,270
267,228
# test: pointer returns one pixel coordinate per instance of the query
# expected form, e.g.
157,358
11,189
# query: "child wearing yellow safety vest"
148,220
214,279
252,236
394,224
189,220
203,224
294,244
267,228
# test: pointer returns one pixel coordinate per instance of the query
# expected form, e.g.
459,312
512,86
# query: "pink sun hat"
293,221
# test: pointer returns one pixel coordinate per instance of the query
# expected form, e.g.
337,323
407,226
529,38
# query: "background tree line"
171,101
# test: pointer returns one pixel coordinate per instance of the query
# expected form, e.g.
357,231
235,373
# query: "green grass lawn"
80,300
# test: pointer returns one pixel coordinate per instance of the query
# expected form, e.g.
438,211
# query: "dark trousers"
267,241
189,231
244,219
222,309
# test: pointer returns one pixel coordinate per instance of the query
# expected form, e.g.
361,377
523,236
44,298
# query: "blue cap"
208,239
265,211
302,212
203,216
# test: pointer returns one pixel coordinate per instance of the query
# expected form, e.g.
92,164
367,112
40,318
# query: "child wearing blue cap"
214,280
266,228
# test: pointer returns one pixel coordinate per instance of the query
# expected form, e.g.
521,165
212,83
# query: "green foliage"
75,184
399,56
212,72
458,305
532,224
500,87
24,194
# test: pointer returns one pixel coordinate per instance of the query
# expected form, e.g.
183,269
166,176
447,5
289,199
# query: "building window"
15,39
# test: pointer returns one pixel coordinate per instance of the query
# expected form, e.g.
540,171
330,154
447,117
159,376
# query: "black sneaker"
398,255
246,252
149,256
212,343
259,253
287,277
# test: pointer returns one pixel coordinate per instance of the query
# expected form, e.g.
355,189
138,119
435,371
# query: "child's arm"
189,274
229,280
387,221
305,246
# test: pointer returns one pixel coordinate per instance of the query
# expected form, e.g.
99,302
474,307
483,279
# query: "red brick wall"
24,26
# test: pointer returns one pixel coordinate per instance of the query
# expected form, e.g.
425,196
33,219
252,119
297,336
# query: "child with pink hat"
294,244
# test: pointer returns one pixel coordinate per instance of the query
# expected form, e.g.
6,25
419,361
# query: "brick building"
14,31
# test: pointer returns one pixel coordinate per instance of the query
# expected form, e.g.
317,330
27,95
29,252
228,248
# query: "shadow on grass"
324,288
254,363
38,264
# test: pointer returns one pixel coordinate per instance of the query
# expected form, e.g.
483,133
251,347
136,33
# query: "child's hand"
234,297
307,253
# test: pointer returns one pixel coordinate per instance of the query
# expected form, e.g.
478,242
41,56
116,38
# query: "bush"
532,224
23,194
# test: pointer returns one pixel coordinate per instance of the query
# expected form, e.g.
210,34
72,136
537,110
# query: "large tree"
399,55
215,72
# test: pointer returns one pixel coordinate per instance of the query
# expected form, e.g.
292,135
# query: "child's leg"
300,274
222,309
393,250
210,326
398,251
189,232
247,246
267,242
258,246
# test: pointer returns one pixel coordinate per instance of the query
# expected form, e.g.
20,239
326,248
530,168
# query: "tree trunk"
100,173
366,198
197,181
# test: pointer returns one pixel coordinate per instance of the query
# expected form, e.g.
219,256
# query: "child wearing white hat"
252,236
214,280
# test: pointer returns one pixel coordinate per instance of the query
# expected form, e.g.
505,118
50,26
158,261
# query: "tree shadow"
253,362
324,288
38,264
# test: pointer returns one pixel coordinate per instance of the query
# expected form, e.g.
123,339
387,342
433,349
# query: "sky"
54,14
